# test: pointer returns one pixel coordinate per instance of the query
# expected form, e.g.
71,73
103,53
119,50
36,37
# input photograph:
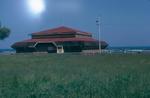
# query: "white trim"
45,42
60,51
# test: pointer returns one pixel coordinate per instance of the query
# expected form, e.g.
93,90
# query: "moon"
36,6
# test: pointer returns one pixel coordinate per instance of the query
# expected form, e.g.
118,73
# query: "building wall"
82,36
70,46
53,36
61,36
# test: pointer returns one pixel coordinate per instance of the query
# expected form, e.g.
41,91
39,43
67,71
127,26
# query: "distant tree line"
4,32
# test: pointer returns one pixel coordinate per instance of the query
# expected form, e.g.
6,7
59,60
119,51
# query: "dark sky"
123,22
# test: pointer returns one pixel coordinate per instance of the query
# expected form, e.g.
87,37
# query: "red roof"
60,40
60,30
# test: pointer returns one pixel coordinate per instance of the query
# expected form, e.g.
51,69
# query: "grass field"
75,76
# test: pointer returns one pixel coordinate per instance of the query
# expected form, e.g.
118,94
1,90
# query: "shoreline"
109,50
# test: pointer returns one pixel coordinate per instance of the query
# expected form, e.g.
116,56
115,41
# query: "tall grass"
75,76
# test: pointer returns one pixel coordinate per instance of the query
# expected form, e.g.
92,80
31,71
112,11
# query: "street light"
99,32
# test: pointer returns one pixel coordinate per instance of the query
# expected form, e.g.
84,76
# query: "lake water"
129,48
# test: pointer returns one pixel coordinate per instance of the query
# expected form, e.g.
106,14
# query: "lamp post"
99,33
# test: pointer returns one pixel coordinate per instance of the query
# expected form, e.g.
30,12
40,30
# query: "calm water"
129,48
7,50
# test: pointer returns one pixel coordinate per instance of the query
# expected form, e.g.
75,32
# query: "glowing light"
36,6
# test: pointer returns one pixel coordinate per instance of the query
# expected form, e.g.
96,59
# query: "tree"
4,32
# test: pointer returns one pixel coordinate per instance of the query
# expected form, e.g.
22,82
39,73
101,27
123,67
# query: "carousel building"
61,39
